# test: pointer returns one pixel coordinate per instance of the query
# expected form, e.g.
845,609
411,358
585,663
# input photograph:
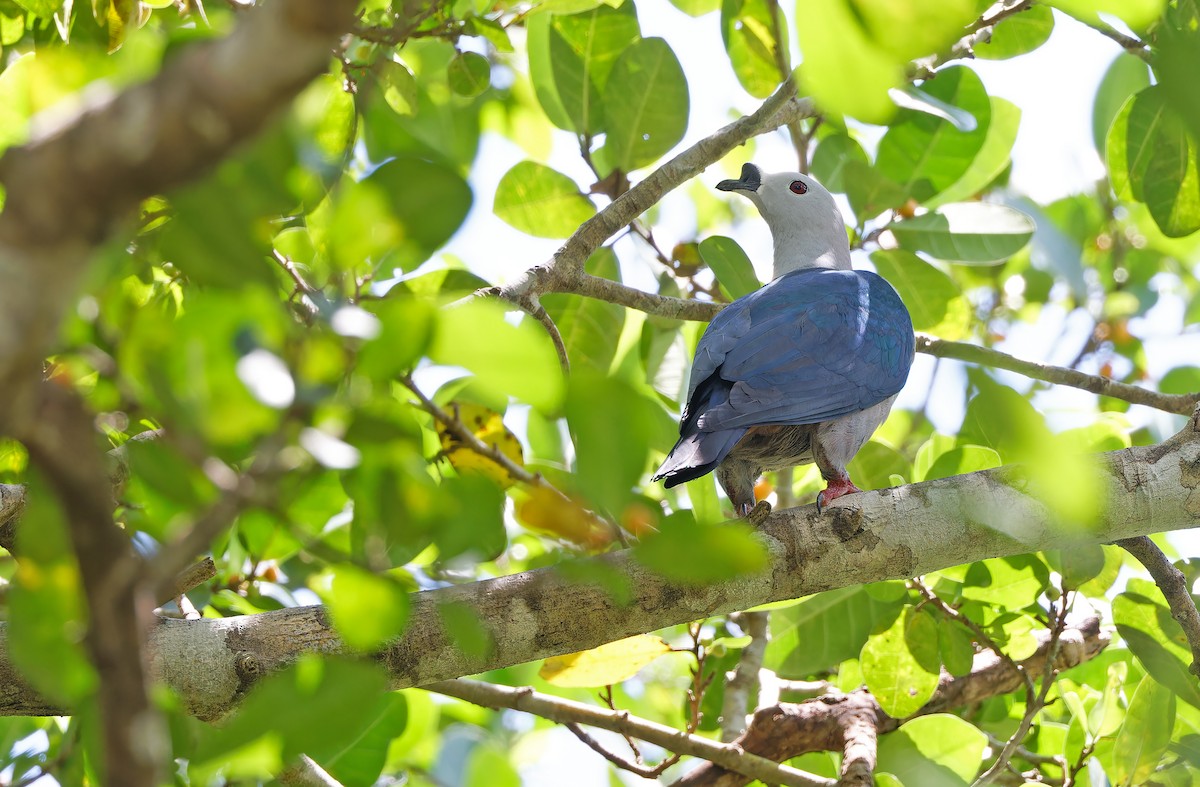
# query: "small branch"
646,772
1173,585
535,309
566,711
515,471
1132,45
860,749
1033,705
1182,404
191,577
307,773
745,677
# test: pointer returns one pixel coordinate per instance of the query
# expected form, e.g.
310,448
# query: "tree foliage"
339,411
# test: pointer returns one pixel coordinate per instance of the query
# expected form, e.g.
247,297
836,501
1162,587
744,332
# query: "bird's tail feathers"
697,454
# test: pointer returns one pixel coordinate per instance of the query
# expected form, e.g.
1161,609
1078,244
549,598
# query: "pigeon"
804,369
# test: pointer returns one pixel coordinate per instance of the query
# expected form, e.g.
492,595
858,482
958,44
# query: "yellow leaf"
607,664
546,511
489,427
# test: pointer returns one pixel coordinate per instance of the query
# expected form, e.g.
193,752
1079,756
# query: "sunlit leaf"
925,290
368,610
693,553
820,631
730,264
469,74
967,232
541,201
751,34
1018,34
1138,14
607,664
1144,736
1127,75
645,104
940,749
1011,582
1144,621
901,665
991,160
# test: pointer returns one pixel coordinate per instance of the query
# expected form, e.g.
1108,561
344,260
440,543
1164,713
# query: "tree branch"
866,537
789,730
745,678
567,711
1174,586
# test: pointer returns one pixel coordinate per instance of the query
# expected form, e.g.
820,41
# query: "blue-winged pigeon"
803,370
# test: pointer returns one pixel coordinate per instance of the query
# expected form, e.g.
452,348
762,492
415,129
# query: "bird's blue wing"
813,345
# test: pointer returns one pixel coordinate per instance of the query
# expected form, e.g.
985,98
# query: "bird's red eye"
799,187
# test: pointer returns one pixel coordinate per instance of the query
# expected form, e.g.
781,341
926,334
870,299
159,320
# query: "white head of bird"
805,222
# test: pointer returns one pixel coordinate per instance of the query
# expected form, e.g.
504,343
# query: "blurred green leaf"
359,762
1181,380
488,766
517,360
1125,76
694,554
469,74
925,290
645,105
696,7
1077,565
399,86
966,232
938,750
991,160
609,461
961,460
406,326
843,67
588,325
901,665
1018,34
926,154
1144,621
875,464
730,265
541,201
1152,158
749,33
841,165
1144,736
466,630
367,609
817,633
1138,14
1010,582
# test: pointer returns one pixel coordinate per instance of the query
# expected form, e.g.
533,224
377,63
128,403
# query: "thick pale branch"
885,534
568,711
1174,586
745,678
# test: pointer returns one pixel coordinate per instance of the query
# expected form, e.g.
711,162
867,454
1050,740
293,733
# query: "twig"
192,577
645,771
472,442
1173,585
305,772
1033,705
1134,46
1182,404
566,711
745,676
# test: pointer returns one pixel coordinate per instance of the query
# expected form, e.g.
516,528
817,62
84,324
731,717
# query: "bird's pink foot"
835,489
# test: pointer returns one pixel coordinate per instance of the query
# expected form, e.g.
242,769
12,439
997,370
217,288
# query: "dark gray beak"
750,180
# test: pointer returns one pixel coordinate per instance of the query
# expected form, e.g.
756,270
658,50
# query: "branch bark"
871,536
823,724
1174,586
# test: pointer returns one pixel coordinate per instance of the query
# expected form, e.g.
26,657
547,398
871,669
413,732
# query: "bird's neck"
799,247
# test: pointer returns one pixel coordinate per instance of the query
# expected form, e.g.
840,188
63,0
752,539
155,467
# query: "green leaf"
406,328
841,165
821,631
541,201
730,265
588,325
940,750
1144,621
1152,158
368,610
469,74
875,464
360,761
1144,736
570,58
909,29
1181,380
1138,14
1125,76
1018,34
749,34
991,160
645,105
925,290
696,7
489,766
399,86
611,663
1011,582
44,9
926,154
961,460
696,554
517,360
954,646
901,665
844,68
1077,565
609,461
967,232
315,707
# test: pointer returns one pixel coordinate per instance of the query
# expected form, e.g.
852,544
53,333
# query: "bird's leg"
835,488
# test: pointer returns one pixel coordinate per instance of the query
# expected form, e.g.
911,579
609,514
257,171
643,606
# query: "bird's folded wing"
812,345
